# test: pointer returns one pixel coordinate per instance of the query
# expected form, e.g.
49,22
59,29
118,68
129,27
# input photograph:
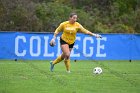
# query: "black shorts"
63,42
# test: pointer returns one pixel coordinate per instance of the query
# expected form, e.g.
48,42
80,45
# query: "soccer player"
69,29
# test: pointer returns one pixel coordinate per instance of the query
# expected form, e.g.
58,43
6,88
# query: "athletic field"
35,77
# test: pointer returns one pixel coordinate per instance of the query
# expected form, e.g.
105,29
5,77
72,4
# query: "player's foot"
68,71
52,66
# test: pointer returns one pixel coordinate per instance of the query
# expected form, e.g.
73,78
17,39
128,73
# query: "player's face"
73,19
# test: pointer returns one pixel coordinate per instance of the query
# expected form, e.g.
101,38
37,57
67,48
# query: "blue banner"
35,46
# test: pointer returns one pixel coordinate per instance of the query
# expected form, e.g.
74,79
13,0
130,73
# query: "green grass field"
35,77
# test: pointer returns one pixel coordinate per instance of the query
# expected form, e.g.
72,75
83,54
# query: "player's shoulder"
77,23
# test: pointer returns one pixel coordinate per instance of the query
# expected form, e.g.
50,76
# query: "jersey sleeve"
82,29
59,28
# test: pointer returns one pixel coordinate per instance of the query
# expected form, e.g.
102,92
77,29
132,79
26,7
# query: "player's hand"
98,36
52,42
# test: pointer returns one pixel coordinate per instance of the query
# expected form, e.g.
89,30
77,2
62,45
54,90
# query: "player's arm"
93,34
59,29
83,30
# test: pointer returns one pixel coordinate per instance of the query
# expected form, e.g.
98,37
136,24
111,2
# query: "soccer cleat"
52,66
68,71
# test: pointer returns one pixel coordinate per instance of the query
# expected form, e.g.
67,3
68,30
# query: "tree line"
100,16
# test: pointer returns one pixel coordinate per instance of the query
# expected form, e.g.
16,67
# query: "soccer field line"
119,75
62,82
50,75
12,62
34,66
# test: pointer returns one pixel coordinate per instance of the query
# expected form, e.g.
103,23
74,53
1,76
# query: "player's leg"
57,60
65,51
66,55
67,63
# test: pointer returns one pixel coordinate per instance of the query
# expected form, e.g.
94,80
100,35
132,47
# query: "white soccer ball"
97,70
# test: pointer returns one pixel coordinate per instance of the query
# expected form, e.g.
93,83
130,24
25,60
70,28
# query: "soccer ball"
97,70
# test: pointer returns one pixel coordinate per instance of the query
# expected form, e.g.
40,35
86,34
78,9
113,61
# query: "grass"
35,77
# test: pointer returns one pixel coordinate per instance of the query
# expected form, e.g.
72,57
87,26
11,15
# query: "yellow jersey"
69,31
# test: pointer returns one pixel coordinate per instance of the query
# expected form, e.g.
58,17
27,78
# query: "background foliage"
102,16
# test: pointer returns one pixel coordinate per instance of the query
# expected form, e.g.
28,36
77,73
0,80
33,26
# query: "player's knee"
67,55
62,56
